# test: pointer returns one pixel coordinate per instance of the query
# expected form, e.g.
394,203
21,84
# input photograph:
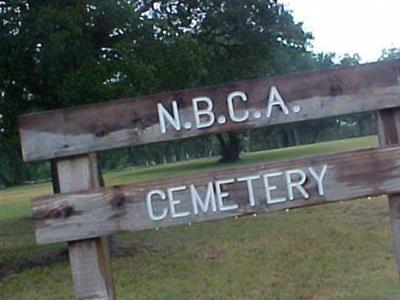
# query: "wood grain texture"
389,134
134,121
122,208
89,259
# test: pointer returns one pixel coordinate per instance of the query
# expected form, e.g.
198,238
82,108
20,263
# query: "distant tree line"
56,54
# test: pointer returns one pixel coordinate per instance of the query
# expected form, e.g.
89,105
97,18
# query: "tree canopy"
56,54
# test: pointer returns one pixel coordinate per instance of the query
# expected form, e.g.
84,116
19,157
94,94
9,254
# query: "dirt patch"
43,261
119,250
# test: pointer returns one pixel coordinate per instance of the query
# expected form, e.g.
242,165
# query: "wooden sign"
184,114
216,195
85,211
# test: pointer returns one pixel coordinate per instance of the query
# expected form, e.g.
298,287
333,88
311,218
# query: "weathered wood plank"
254,189
89,259
259,103
389,134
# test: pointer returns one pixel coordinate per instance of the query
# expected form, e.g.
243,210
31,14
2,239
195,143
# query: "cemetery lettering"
216,195
204,117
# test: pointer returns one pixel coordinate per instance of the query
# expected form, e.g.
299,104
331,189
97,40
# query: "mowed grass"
338,251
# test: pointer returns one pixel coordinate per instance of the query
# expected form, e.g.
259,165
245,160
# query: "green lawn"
339,251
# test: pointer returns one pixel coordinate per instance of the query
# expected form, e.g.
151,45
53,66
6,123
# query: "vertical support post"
389,134
89,259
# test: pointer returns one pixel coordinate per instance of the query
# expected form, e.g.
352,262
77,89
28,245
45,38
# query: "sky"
350,26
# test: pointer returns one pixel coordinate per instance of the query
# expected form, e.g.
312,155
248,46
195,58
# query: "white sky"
350,26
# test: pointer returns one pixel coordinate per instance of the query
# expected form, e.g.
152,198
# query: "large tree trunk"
132,157
229,147
288,138
178,152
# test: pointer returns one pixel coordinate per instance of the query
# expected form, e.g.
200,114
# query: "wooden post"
89,259
389,134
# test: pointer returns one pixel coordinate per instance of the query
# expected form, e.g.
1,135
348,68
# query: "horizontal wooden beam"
217,194
210,110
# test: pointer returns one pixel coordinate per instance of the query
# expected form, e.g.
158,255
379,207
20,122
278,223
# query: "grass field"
338,251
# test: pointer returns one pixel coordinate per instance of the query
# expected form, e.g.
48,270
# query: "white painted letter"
209,198
149,205
298,184
231,109
275,98
164,114
269,188
203,112
221,195
250,189
173,202
319,178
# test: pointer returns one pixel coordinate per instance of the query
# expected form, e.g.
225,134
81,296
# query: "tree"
390,53
57,54
241,39
60,53
350,60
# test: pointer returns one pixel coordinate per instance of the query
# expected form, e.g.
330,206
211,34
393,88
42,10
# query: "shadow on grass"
25,264
19,251
22,253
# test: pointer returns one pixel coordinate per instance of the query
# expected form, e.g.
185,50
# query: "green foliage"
390,53
241,40
350,60
57,54
50,57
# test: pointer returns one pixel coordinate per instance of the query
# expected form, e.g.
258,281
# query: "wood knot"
118,200
63,212
335,90
101,133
